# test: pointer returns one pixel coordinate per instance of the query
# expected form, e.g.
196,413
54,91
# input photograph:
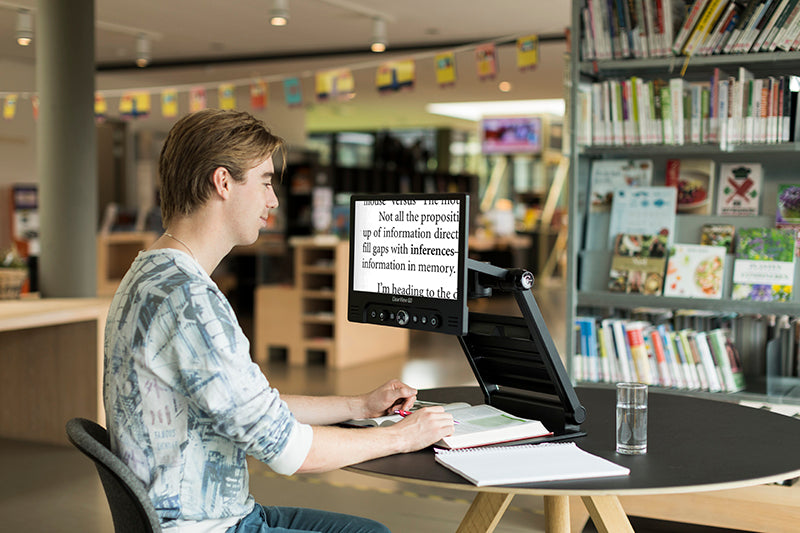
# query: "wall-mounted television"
511,135
408,255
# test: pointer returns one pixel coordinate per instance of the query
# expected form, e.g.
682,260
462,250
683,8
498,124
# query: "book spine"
635,335
711,369
781,25
664,375
744,18
703,26
769,25
677,87
676,371
688,25
759,22
623,351
716,341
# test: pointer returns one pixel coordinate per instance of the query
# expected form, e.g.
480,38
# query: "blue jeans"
292,519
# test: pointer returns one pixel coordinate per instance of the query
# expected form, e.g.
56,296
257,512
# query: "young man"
184,403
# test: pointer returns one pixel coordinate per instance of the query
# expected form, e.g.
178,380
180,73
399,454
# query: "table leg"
485,512
607,514
556,514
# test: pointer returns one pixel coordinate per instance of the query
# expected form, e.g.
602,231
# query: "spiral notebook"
528,463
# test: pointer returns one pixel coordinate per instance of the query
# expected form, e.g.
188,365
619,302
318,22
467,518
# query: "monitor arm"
504,347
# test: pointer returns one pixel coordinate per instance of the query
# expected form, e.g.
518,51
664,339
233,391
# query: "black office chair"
131,508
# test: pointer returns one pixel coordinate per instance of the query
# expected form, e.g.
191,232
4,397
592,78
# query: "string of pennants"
329,85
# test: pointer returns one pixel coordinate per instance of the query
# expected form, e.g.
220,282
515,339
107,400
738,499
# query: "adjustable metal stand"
515,359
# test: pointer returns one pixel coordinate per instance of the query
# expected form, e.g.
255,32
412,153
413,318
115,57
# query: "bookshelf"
309,319
588,262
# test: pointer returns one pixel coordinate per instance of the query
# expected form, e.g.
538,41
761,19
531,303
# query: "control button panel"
403,317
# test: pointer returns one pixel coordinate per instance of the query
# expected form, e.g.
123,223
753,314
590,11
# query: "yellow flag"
135,104
100,105
227,99
395,75
527,52
169,103
445,68
10,107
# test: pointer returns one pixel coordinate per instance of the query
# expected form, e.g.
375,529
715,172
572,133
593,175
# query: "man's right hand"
423,427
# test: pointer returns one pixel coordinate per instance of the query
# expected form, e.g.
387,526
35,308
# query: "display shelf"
316,308
673,150
760,63
631,301
115,253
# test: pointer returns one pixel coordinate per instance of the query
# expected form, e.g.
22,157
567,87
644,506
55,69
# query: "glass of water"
631,418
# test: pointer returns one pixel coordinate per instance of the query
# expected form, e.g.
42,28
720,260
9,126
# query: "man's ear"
222,181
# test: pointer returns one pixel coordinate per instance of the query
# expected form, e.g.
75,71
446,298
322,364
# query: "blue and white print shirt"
184,402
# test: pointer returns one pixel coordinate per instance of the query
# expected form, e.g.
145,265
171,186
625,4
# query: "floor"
56,490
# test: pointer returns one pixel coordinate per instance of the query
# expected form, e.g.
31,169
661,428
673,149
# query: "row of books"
726,109
612,349
617,29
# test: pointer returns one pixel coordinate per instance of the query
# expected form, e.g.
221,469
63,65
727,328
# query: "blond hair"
201,142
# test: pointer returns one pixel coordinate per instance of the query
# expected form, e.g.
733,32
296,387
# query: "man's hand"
390,396
423,428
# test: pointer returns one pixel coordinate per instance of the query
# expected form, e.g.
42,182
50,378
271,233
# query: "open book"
528,463
476,425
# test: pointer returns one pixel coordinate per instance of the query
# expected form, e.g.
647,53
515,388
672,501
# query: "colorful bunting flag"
292,92
169,103
338,84
100,106
197,99
445,64
10,107
134,105
227,97
258,95
395,75
527,52
486,61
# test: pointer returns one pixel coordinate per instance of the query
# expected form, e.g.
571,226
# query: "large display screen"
511,135
408,260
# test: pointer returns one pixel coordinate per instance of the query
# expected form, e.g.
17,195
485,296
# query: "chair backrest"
131,508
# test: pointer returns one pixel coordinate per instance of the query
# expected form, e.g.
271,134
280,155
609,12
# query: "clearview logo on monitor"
402,300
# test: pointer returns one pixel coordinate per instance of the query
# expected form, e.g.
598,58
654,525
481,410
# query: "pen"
402,412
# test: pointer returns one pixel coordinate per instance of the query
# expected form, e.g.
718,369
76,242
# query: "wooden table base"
488,507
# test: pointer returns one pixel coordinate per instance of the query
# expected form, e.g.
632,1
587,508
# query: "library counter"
50,365
694,445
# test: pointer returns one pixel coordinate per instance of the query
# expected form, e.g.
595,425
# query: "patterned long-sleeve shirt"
184,402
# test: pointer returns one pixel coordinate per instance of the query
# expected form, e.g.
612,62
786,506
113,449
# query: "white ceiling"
221,40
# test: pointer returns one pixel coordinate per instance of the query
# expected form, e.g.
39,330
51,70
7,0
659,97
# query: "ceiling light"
279,14
24,27
477,110
142,50
379,39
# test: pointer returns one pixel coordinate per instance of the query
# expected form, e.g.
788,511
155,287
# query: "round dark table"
694,444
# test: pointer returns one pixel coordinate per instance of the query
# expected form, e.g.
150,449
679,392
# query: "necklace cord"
173,237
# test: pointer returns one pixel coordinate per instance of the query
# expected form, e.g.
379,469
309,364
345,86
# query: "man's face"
253,198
